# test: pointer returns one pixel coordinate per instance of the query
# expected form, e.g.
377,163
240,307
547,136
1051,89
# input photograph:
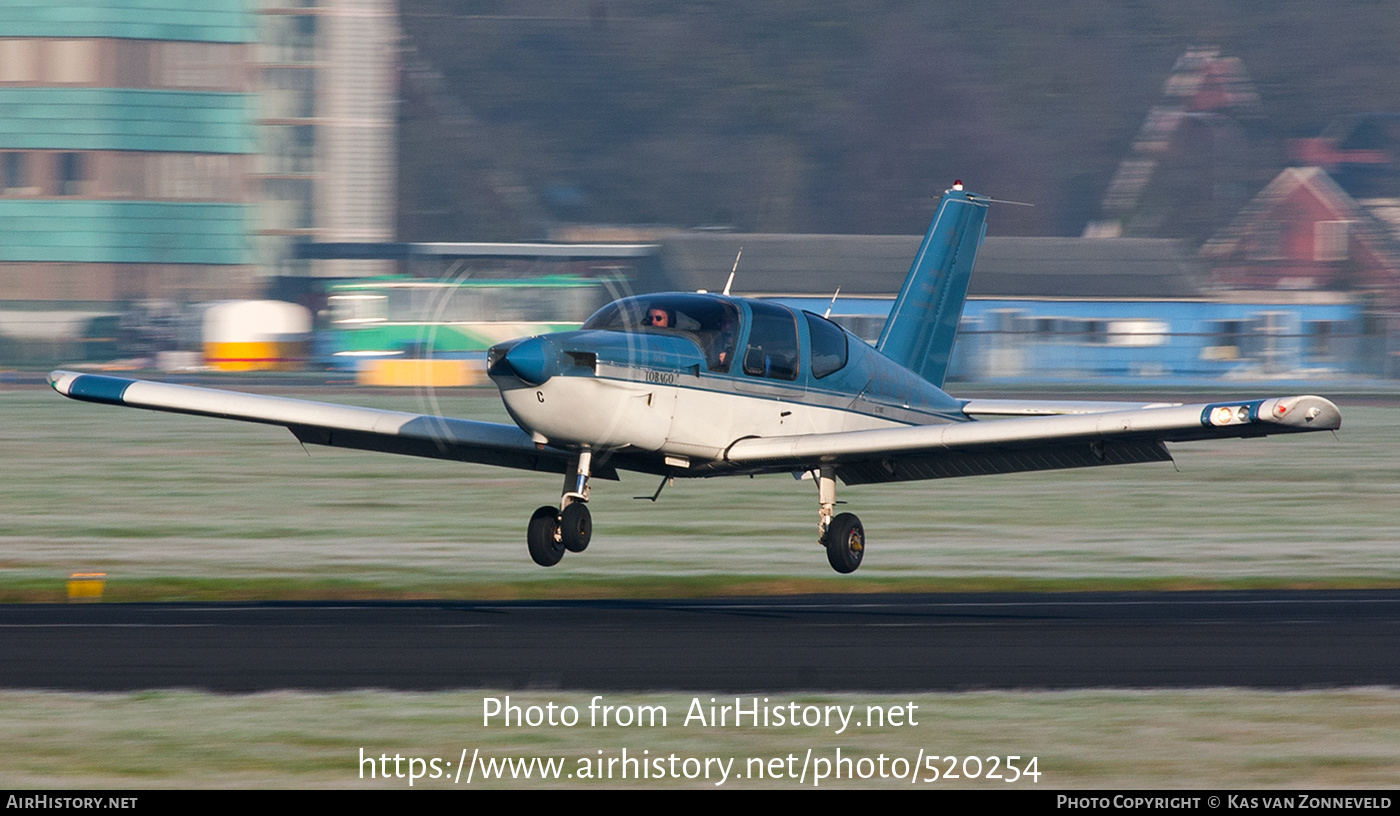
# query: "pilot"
659,318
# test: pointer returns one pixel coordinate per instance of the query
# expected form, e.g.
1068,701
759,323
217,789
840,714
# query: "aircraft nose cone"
533,361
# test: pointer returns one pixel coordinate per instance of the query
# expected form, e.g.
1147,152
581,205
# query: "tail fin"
924,320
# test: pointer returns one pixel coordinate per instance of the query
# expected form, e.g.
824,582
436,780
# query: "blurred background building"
327,94
162,153
421,176
129,145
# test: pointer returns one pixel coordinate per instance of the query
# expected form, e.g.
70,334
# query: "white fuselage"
676,414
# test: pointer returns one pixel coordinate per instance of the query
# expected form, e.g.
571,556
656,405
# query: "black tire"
543,537
845,543
576,527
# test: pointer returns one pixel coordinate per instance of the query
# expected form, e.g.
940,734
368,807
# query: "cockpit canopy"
772,349
710,322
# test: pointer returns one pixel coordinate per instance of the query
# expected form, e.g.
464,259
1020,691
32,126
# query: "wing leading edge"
1040,436
322,423
1064,440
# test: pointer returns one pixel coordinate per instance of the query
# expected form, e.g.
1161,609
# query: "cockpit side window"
710,322
830,349
772,347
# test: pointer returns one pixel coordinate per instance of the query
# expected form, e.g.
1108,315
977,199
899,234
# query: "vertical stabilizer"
924,320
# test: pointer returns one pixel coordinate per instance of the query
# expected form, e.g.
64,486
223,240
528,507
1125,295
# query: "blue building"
127,149
1075,309
1084,310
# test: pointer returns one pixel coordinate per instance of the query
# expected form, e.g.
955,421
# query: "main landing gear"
843,536
570,527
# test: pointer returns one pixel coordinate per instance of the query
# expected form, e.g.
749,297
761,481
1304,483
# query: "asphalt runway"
822,643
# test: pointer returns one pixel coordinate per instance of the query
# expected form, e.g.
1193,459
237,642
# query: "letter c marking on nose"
539,395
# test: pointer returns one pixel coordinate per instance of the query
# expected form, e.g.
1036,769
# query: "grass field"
1219,738
175,507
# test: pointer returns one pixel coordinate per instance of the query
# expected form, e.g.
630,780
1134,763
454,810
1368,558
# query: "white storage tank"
256,335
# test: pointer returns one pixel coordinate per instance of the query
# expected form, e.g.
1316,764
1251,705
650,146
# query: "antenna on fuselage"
730,282
832,303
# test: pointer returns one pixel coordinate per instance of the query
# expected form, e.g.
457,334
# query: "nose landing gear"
575,527
570,527
546,546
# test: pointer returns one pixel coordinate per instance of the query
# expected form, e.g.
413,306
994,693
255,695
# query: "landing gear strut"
570,527
844,535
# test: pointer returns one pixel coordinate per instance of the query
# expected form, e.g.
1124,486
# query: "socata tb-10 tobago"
698,385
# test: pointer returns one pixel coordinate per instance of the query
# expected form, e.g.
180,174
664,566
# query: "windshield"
711,323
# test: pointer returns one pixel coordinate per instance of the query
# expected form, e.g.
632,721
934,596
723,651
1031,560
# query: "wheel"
576,527
543,537
845,543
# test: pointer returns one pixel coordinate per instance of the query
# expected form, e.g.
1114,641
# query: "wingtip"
60,380
1307,412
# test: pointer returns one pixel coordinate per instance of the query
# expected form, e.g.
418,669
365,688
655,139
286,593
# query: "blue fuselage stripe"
809,397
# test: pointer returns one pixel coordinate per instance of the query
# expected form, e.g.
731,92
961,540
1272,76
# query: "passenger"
721,348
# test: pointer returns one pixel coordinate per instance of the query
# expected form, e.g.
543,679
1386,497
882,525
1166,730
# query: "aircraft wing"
1028,442
339,426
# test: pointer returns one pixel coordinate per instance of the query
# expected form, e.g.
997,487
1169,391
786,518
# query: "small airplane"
687,385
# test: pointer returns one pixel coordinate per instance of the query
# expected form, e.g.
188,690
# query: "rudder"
923,322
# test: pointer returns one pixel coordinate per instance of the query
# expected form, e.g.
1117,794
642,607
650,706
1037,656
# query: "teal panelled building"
128,147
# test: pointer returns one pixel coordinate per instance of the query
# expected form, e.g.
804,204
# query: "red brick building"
1304,233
